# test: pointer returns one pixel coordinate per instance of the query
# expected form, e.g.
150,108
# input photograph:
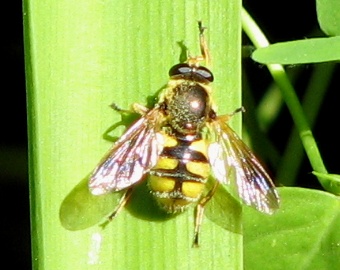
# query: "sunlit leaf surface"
303,234
314,50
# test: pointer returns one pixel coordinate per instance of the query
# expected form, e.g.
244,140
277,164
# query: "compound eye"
180,69
205,73
186,71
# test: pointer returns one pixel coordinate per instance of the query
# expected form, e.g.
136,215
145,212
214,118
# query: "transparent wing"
228,153
131,157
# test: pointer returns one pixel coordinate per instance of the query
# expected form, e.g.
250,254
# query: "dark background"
281,21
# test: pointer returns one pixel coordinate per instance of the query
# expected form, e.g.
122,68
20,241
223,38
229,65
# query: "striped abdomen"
179,177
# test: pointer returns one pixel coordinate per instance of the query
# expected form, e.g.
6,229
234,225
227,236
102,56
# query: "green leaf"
79,59
314,50
303,234
329,16
331,182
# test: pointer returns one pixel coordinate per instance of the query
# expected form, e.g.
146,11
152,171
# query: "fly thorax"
188,107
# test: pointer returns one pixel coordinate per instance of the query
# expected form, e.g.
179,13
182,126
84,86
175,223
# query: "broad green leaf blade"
303,234
329,16
314,50
79,59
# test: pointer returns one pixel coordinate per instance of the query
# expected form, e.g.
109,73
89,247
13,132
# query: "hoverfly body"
178,143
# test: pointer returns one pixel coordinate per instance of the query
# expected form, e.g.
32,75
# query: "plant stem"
289,95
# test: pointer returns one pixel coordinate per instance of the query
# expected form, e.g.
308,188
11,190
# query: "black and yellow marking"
180,175
167,142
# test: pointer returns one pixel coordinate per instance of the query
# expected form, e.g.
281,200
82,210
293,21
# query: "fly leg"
199,214
226,117
136,108
205,55
203,44
122,202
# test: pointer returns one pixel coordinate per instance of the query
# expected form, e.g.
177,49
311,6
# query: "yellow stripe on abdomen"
179,177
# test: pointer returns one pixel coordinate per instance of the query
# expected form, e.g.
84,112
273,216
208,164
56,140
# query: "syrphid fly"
179,143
